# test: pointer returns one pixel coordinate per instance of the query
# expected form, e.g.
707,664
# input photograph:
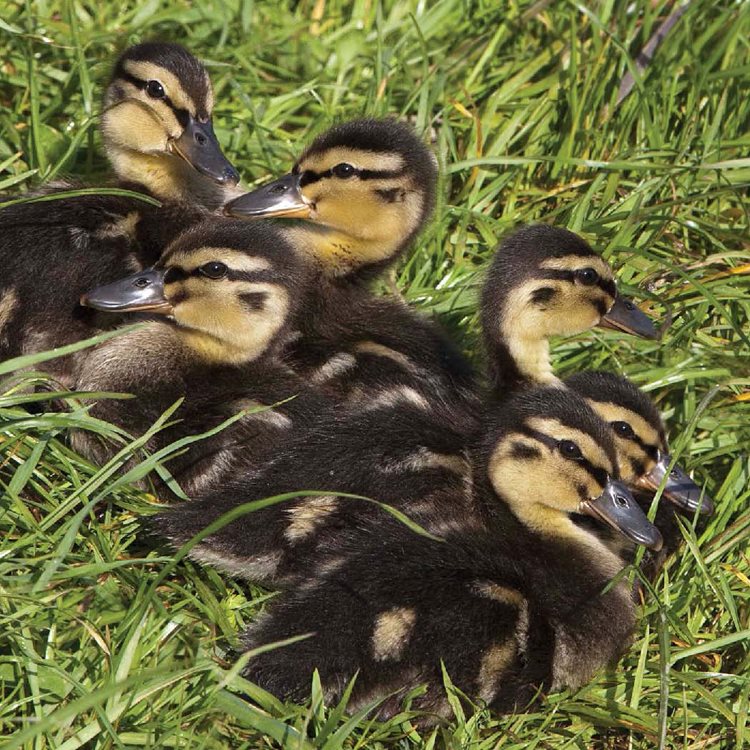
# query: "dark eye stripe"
175,273
390,195
182,115
647,448
606,285
599,475
523,452
600,306
637,467
309,177
558,273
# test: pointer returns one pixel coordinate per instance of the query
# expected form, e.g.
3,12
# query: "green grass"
107,641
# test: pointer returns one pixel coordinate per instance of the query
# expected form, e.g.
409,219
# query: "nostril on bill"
200,139
141,283
621,501
278,189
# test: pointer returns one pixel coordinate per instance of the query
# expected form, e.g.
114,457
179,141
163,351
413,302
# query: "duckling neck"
340,253
169,178
558,526
520,361
214,351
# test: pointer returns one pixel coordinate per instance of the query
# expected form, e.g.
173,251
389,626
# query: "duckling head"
545,281
157,126
640,438
229,291
364,188
549,456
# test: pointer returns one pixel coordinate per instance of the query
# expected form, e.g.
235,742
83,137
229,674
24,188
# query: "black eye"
570,450
344,170
623,429
587,276
213,270
155,90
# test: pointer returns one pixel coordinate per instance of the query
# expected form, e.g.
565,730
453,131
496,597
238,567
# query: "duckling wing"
392,614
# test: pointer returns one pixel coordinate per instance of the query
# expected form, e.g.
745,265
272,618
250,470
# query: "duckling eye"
214,270
155,90
344,171
587,276
570,450
623,429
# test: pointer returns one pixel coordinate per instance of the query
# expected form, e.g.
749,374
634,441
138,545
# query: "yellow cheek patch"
370,160
539,489
148,71
223,329
133,124
524,329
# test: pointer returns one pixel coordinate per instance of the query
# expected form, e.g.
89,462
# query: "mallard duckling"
508,610
400,456
157,128
400,448
225,296
365,190
643,456
359,196
545,281
158,135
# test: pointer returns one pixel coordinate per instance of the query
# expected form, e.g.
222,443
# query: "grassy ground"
107,641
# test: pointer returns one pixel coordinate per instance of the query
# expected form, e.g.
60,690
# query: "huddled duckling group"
532,490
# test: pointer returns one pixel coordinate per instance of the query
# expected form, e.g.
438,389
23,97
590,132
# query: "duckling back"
360,195
508,609
158,105
226,297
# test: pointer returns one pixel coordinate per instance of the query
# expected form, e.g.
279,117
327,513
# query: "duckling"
545,281
224,297
365,189
517,607
157,133
643,456
356,200
400,448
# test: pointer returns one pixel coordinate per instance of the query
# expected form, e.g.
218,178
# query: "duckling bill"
141,292
354,202
640,438
527,604
401,448
158,135
222,301
545,281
